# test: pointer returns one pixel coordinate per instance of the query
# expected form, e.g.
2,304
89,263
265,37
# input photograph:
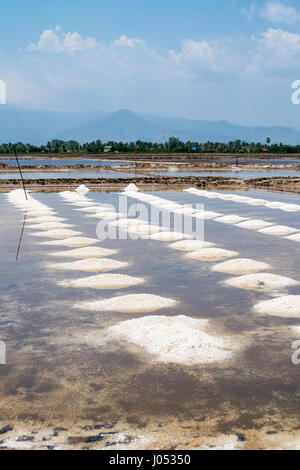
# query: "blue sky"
233,60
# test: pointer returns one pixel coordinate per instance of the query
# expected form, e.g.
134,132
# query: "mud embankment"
289,184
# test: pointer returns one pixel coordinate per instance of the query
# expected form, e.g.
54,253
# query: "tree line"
172,145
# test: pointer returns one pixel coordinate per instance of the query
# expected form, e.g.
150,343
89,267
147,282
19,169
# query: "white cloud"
124,41
251,12
277,12
278,49
274,12
51,42
277,40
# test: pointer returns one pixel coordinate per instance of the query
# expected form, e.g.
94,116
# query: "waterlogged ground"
71,388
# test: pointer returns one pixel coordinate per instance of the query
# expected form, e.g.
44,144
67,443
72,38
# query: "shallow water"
61,162
178,174
61,371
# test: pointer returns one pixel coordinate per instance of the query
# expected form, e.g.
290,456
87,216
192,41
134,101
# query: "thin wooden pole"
21,237
23,183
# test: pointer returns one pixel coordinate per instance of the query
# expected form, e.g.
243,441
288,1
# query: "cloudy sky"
233,59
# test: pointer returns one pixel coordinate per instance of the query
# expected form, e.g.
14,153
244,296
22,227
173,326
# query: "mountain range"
38,127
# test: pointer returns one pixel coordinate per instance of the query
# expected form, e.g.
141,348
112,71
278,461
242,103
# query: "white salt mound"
84,253
185,211
106,215
242,199
278,230
63,233
261,281
190,245
294,238
45,219
104,281
127,222
144,229
241,266
206,215
131,187
290,208
180,339
230,219
256,202
287,306
82,190
275,205
88,209
90,265
227,197
168,236
211,254
135,303
254,224
167,206
74,242
84,203
193,190
41,213
50,226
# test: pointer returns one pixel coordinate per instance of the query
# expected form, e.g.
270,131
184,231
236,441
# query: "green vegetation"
173,145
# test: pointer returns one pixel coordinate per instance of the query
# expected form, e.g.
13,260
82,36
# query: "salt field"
152,337
66,174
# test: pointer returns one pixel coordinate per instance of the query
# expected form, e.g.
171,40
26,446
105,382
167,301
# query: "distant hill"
120,126
37,127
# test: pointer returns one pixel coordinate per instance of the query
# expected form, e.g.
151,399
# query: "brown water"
62,372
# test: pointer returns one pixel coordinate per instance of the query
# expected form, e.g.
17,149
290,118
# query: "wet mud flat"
289,184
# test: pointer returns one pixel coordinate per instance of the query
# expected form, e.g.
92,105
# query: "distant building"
107,148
